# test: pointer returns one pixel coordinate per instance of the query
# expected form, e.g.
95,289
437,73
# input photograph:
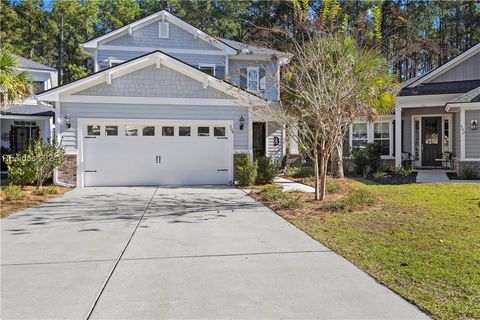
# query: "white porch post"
462,134
398,136
227,67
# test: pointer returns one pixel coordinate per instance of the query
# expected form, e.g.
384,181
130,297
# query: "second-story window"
252,78
38,86
208,68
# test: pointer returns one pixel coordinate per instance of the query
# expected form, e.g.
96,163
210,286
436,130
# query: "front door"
432,140
258,139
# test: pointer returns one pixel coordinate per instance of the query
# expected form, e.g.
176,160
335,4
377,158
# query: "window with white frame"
208,68
252,78
359,135
381,137
163,30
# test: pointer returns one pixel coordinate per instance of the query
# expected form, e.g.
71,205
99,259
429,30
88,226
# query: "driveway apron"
198,252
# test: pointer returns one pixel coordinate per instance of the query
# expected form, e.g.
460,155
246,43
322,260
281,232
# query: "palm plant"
15,85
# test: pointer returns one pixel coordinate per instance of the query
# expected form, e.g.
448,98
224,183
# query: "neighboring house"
29,119
167,104
436,117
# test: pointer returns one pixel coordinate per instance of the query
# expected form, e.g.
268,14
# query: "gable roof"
159,59
160,16
446,66
30,64
470,96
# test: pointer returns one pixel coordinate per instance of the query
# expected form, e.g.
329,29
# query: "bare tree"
329,83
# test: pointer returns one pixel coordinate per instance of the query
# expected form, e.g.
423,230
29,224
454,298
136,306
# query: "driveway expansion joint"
90,311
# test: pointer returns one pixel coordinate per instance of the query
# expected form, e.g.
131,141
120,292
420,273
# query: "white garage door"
188,153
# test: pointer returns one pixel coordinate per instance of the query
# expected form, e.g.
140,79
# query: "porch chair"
446,160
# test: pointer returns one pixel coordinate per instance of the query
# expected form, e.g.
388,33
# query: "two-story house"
29,120
168,104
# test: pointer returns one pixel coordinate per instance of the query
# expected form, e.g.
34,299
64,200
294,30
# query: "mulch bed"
454,176
13,206
394,179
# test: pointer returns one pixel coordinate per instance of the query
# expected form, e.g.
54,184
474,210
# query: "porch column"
398,136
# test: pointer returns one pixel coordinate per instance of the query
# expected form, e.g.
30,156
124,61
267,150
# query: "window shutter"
163,30
263,79
243,78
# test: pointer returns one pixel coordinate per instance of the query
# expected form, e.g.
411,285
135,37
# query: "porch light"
242,122
474,124
67,120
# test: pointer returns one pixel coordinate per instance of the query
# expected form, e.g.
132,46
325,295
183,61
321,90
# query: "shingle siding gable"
153,82
148,37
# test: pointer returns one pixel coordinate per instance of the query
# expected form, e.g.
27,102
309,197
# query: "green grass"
424,243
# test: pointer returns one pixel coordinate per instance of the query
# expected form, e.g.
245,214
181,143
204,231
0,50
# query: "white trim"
208,65
23,117
175,122
419,101
266,138
398,136
250,134
450,133
111,61
166,25
150,100
163,16
166,50
227,66
470,159
455,107
462,134
133,65
447,66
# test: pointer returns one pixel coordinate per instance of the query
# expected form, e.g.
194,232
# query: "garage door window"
203,131
93,130
184,131
111,131
219,131
131,131
148,131
167,131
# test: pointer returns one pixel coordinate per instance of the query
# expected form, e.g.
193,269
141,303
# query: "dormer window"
208,68
252,78
163,30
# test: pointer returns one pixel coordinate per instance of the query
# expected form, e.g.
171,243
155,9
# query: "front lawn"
421,240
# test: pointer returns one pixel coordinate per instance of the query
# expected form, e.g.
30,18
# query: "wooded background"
417,36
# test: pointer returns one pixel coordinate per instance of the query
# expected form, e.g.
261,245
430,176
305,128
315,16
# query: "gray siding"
191,59
273,151
472,137
153,82
125,111
407,123
271,67
467,70
148,37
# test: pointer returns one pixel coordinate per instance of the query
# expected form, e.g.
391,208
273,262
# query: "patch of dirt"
12,206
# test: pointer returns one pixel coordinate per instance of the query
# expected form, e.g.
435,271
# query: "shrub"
300,172
367,159
51,190
378,174
39,192
469,174
406,171
19,168
292,200
246,170
35,164
271,193
13,192
267,170
355,199
332,185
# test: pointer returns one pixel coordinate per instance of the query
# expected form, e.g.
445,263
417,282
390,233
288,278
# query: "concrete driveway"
201,252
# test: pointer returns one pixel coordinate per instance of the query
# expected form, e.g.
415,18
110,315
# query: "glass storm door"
432,140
